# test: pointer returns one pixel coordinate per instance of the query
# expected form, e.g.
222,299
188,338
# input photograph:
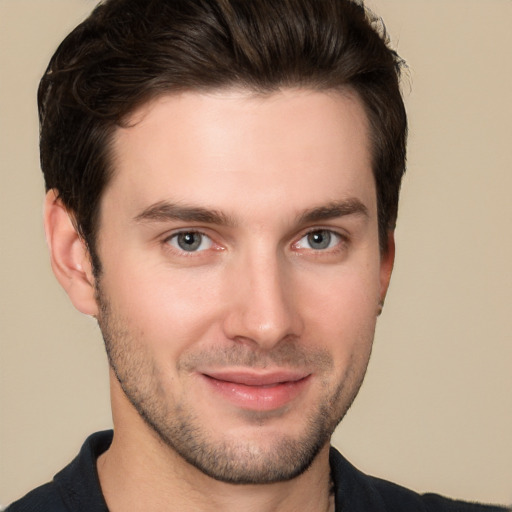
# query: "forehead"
226,146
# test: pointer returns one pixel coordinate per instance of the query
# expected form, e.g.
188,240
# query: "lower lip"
258,398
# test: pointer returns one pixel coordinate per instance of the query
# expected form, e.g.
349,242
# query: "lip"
257,391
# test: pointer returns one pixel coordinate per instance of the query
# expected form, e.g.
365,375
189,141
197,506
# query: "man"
222,190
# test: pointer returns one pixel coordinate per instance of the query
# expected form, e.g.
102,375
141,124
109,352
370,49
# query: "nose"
263,308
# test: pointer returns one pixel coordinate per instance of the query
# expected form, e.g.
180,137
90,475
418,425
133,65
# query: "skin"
284,285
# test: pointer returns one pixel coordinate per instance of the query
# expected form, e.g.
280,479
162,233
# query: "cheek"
342,307
351,289
169,308
175,309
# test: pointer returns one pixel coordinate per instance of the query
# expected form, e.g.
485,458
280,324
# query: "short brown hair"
130,51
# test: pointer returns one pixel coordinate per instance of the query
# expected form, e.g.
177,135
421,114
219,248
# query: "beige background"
435,412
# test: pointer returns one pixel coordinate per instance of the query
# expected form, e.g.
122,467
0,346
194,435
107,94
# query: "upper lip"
256,378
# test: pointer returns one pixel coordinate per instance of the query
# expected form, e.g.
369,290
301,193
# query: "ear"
69,256
387,259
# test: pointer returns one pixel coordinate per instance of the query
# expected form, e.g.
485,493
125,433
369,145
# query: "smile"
257,392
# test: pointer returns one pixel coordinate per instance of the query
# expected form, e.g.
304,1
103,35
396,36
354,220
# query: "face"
241,274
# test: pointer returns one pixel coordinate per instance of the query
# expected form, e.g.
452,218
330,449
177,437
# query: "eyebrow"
165,211
334,210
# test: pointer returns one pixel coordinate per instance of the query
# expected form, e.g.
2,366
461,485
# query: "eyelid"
342,238
188,229
182,252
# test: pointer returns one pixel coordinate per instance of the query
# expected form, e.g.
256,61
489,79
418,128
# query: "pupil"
319,239
189,241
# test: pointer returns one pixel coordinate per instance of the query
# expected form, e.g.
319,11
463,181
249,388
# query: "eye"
319,240
190,241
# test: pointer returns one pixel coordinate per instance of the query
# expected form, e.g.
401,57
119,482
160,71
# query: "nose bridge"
262,309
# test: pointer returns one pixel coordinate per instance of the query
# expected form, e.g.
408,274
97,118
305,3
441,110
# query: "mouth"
257,391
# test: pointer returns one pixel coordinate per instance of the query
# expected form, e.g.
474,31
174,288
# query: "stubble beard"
228,460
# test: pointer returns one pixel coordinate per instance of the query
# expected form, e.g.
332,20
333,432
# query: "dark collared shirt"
77,489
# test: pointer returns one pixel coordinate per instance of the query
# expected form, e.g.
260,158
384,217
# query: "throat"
132,481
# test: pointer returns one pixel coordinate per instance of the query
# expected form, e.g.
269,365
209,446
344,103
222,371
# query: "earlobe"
69,255
386,268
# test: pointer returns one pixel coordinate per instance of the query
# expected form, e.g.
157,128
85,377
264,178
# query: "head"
129,52
231,170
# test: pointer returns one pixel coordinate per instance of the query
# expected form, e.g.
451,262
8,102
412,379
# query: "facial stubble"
261,460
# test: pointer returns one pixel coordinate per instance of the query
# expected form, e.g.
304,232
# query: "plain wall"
435,412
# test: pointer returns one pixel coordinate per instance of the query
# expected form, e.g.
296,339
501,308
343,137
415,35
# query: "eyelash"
340,242
183,252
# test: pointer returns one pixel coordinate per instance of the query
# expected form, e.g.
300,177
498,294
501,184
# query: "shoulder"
75,488
396,496
356,491
42,499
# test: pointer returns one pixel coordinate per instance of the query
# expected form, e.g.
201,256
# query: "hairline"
251,91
